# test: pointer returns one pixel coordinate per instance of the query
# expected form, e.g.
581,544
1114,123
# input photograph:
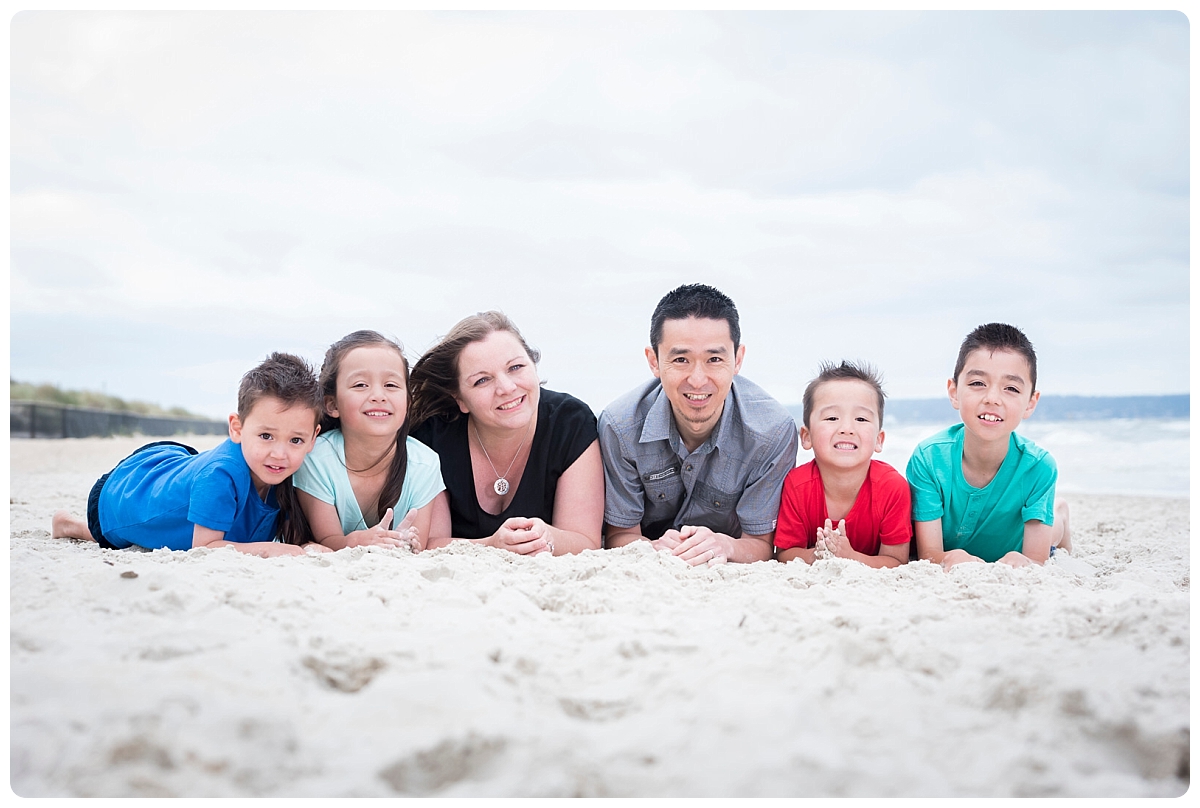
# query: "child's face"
274,437
844,429
371,392
993,394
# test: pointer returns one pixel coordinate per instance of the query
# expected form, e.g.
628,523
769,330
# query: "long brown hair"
433,385
394,483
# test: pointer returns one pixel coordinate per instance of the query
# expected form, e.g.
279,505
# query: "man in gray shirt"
694,459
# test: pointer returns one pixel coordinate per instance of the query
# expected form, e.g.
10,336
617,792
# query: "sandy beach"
473,672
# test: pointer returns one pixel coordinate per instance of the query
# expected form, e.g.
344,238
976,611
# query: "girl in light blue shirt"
366,482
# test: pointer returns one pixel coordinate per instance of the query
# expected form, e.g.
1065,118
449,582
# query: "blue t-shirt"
156,496
987,522
324,476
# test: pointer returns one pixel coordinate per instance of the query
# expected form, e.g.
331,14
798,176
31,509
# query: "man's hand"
699,545
668,541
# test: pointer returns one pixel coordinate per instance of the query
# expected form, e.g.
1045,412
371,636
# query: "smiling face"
993,394
696,363
845,429
371,392
497,382
274,437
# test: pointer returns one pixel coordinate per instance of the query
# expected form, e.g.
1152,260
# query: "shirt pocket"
714,509
664,494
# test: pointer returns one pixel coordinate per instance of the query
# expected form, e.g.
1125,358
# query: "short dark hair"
829,372
283,376
291,380
694,300
998,337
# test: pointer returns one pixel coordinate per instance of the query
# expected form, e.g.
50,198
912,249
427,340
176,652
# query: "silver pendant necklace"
501,484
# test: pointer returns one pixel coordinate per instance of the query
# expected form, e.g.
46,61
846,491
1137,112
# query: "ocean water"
1137,456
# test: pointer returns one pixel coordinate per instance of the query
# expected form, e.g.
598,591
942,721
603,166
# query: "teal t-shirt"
987,522
324,476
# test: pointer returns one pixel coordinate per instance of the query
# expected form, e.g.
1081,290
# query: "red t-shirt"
882,511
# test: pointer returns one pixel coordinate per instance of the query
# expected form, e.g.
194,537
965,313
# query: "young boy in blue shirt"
980,492
239,494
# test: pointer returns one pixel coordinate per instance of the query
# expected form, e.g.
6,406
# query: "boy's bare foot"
65,526
1062,516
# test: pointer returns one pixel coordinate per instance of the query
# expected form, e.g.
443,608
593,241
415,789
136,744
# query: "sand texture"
473,672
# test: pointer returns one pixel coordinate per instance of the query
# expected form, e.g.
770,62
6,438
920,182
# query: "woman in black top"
521,464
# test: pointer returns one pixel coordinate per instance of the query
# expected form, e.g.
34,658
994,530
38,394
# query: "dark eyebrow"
721,350
1007,376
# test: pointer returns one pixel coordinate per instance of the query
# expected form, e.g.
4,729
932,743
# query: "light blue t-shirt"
987,522
324,476
155,497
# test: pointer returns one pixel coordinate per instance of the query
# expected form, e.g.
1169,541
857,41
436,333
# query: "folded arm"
576,521
206,537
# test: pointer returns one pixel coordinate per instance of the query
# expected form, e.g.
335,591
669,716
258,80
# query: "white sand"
468,671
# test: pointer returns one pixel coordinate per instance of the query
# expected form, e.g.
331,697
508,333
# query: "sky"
191,191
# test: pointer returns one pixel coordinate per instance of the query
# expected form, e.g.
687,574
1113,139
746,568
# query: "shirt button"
662,495
717,503
688,467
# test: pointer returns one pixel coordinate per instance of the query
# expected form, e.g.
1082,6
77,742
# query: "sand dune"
472,672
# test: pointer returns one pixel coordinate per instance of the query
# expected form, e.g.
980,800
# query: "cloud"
192,190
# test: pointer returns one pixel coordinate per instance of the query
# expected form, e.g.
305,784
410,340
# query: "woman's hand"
523,536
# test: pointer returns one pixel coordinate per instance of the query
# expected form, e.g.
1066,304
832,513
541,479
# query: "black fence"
38,419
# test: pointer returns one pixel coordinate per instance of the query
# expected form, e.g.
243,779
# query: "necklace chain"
501,484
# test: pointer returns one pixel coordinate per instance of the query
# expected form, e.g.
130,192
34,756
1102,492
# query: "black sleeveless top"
565,429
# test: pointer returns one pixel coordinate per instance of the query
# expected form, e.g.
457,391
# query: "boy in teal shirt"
981,492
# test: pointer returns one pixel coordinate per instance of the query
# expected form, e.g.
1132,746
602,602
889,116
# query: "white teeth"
989,417
510,405
844,446
696,396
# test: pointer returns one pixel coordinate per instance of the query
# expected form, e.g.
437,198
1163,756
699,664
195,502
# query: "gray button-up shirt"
730,484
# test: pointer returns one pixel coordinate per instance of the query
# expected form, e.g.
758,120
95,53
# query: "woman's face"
498,382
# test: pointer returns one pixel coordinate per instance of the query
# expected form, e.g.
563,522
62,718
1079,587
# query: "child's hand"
409,531
833,541
381,535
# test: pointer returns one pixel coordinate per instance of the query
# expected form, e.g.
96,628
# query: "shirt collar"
660,423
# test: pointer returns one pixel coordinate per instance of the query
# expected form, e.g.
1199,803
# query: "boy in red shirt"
867,499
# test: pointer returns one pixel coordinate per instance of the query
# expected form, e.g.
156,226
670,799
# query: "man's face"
696,363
